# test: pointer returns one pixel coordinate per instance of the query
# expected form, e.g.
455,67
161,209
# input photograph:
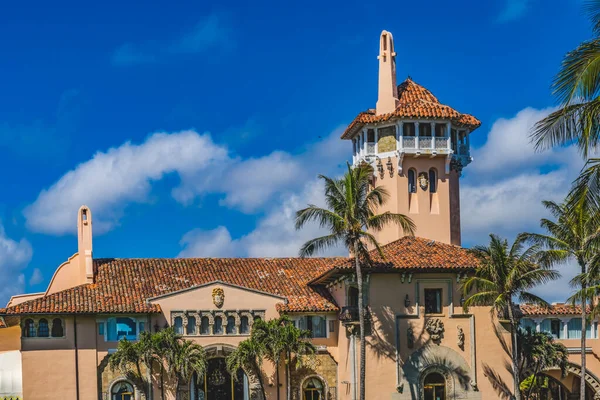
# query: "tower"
84,244
418,147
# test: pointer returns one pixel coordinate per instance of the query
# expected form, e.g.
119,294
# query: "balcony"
349,315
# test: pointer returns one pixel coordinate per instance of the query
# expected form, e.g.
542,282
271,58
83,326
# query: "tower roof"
414,101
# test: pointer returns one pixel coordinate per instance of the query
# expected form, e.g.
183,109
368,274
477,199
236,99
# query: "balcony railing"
371,148
349,314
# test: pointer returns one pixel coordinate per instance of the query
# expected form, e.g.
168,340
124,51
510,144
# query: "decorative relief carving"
423,180
218,295
461,338
435,328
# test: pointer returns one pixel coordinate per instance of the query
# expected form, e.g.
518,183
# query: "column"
399,136
354,148
417,136
538,327
433,136
468,139
364,142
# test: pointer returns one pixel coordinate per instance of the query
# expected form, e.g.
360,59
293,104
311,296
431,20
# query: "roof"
554,309
123,285
413,253
414,101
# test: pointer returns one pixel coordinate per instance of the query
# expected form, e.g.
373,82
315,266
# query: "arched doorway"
218,384
313,389
434,386
122,390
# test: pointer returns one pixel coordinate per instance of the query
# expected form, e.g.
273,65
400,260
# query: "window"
57,328
574,329
204,329
191,326
331,326
425,129
230,328
440,130
218,327
121,328
316,324
352,300
434,387
29,328
527,323
142,327
43,329
313,389
432,180
408,129
178,323
433,301
244,326
101,328
122,391
412,181
371,136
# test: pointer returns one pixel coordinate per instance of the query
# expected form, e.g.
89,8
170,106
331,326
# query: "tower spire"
387,100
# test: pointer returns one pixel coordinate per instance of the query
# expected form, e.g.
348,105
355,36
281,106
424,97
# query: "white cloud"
36,277
14,257
122,175
274,236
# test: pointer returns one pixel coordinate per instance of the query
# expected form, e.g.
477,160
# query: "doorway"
434,387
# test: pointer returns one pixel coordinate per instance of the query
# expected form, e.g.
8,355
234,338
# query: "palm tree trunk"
583,334
277,377
288,376
361,320
515,353
162,381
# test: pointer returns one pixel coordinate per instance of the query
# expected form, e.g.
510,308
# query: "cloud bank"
14,257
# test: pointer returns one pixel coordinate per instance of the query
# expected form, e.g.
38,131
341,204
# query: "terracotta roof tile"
414,101
123,285
554,309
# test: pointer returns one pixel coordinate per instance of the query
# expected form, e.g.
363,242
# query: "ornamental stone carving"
423,180
218,295
461,338
435,328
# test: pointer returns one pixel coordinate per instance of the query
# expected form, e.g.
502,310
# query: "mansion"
421,344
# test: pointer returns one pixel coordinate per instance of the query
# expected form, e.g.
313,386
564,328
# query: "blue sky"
139,109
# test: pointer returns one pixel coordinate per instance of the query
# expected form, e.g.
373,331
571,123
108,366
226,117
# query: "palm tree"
573,236
538,352
507,273
576,86
295,342
128,359
248,356
352,204
270,335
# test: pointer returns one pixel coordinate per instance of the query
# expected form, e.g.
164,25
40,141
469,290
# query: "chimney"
387,100
84,244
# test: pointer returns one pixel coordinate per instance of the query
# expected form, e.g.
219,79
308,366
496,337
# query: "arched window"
191,326
204,326
244,325
313,389
178,325
432,180
57,328
218,327
122,391
230,328
29,328
434,386
412,181
43,329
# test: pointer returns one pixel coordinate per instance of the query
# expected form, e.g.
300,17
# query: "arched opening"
432,180
204,326
43,328
412,181
434,387
191,326
29,328
244,325
57,328
179,325
218,384
122,390
218,326
313,389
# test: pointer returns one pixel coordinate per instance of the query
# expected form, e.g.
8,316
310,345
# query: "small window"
204,326
371,136
101,328
218,327
29,328
230,328
432,181
440,130
43,329
316,324
142,327
412,181
425,129
191,326
352,300
313,389
178,323
408,129
121,328
244,326
57,328
433,301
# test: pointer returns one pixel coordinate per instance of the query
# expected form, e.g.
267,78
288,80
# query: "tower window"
408,129
440,130
371,136
425,129
412,181
432,180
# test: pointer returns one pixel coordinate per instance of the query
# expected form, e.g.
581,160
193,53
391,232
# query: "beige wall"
431,212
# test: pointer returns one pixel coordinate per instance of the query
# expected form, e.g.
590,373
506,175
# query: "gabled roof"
411,254
414,101
554,309
124,285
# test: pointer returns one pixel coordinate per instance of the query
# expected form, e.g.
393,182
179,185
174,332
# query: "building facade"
421,344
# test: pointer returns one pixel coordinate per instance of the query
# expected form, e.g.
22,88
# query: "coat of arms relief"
218,295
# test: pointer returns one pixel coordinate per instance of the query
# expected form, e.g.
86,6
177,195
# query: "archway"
572,381
218,384
122,390
434,386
